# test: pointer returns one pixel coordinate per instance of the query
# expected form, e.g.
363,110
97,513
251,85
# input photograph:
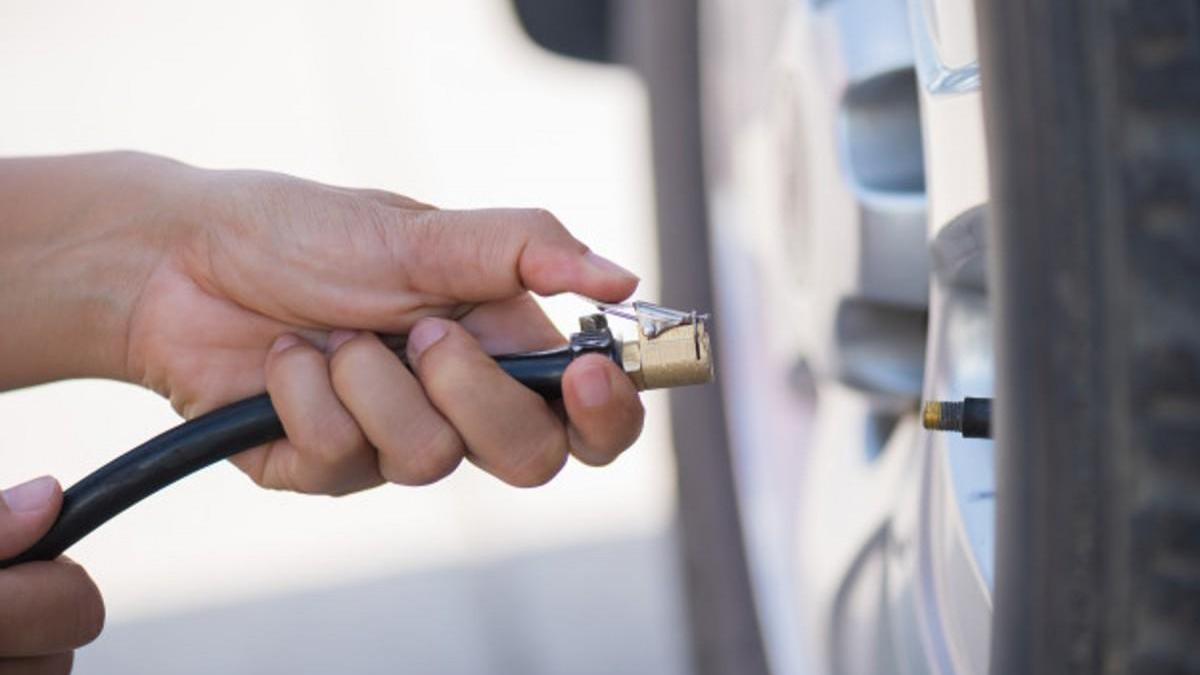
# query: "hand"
47,609
235,282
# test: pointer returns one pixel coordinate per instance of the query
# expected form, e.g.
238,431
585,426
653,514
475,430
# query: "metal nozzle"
672,348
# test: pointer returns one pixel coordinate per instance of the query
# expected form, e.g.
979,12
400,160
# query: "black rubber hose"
151,467
541,372
225,432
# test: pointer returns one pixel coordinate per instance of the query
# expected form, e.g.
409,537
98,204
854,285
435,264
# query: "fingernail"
593,386
285,341
31,496
606,266
338,338
423,336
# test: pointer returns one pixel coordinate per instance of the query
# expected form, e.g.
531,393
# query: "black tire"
1093,113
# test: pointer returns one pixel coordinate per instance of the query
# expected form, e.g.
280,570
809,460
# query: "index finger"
491,254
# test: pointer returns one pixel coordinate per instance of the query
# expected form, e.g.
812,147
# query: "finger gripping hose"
227,431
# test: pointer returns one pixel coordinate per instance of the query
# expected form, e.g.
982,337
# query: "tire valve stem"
971,417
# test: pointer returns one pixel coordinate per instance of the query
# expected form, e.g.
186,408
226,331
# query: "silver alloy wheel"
846,176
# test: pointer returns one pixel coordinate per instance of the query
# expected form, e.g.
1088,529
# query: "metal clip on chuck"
672,347
671,350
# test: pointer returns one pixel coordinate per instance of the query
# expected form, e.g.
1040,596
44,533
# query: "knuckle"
313,478
343,432
426,461
542,463
544,226
540,218
334,438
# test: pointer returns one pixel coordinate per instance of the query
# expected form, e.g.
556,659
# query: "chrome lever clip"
672,348
652,319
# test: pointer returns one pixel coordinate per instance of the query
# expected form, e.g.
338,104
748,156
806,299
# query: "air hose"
651,361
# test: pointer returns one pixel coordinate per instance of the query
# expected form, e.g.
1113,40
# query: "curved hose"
152,466
227,431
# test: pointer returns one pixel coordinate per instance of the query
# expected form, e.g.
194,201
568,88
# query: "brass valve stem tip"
943,415
971,417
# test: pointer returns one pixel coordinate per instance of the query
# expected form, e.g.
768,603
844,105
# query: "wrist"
82,234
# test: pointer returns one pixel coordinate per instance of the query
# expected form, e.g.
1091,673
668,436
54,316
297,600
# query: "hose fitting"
676,357
672,347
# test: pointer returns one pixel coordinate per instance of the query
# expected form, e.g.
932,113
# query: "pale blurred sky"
445,101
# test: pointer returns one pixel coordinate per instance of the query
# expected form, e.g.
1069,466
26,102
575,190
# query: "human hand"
263,281
47,609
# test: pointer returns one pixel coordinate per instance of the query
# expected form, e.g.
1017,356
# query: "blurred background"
448,102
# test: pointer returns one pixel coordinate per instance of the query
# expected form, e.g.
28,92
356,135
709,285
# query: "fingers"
26,512
325,451
509,430
415,444
312,255
352,420
604,409
47,608
360,416
491,254
53,664
602,404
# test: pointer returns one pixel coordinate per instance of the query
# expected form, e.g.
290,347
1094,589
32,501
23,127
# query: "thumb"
26,512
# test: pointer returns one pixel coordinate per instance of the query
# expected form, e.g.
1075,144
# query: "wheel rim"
922,550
